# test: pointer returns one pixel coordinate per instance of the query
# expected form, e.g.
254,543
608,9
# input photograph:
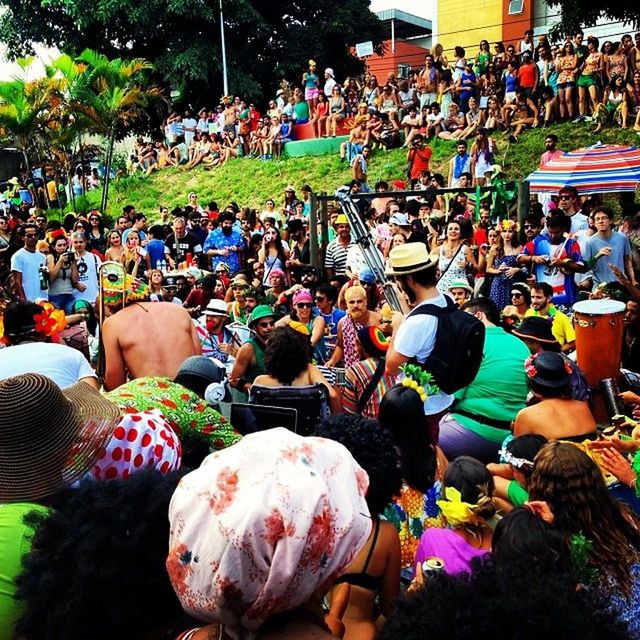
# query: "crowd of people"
204,434
501,88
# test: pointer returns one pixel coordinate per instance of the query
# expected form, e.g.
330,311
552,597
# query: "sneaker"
578,119
513,139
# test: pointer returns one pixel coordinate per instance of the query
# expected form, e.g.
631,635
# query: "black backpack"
457,353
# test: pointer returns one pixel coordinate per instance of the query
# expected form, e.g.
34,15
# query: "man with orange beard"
358,316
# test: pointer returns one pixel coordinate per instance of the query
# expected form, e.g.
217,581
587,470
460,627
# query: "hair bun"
485,508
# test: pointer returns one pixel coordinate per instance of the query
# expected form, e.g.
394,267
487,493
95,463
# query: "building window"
515,7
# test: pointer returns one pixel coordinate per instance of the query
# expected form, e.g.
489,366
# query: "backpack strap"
433,309
371,387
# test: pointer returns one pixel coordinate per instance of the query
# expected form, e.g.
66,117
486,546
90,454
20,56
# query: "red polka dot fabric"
140,441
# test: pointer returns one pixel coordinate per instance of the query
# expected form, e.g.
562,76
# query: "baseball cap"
400,219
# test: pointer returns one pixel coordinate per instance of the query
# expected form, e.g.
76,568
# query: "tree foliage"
265,40
88,94
577,14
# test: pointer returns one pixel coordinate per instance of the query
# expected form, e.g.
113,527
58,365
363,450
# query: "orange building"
409,41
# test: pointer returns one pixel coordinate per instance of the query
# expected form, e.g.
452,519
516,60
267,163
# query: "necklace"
143,308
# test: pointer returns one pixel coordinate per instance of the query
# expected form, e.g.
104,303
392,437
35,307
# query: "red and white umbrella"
602,168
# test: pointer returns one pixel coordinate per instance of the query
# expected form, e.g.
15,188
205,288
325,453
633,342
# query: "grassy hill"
250,182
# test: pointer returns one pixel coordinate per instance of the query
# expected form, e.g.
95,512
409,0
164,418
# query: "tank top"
257,369
311,82
510,83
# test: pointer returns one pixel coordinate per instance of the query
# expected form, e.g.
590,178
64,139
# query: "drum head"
600,307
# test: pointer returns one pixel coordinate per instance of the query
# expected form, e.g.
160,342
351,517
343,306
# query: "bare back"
556,418
147,339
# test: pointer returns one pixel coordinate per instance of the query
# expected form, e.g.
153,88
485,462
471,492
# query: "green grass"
250,182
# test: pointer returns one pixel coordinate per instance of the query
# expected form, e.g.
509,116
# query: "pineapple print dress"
411,514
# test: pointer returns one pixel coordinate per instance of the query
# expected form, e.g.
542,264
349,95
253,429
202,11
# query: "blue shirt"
156,250
218,240
620,249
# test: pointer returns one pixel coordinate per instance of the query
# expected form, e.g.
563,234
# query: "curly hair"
480,605
374,450
474,482
402,413
98,565
573,486
287,354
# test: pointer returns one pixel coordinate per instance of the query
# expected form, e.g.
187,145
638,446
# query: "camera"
69,256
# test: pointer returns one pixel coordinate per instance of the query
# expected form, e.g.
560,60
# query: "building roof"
406,25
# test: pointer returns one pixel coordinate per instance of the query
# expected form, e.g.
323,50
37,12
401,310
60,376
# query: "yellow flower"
455,511
406,382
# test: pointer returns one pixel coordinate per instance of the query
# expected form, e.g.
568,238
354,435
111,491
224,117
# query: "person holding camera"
62,271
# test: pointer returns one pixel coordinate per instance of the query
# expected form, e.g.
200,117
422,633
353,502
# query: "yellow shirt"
562,327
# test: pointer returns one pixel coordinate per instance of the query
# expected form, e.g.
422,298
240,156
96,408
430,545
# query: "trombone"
114,275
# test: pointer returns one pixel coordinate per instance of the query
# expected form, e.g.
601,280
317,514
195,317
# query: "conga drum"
599,332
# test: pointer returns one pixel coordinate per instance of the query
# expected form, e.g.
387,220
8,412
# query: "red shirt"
420,161
527,75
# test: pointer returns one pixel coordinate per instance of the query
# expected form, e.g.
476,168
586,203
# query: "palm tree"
24,107
113,97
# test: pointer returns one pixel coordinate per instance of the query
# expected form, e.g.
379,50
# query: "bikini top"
363,579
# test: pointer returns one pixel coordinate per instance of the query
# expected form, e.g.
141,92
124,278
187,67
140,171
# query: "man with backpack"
435,334
481,416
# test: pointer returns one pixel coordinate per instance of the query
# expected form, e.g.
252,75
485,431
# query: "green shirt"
15,542
500,388
301,110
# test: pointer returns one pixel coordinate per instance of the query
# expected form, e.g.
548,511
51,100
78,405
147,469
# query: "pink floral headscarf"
260,526
140,441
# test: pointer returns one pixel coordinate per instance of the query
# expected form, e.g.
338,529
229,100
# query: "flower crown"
509,225
507,457
48,323
420,380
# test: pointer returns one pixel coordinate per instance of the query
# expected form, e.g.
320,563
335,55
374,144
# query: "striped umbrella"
602,168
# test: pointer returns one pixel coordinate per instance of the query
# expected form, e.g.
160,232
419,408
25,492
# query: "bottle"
43,277
162,265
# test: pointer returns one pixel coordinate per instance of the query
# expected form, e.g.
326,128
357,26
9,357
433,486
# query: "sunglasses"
530,226
320,298
304,305
264,325
564,197
516,295
221,271
30,235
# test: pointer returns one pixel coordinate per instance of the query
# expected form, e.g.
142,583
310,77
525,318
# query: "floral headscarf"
140,441
260,526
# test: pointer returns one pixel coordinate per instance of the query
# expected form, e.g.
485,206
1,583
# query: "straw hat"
409,258
49,438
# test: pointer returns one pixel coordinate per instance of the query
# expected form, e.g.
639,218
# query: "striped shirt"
336,257
358,377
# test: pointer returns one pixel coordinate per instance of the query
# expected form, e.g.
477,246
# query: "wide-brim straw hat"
49,438
409,258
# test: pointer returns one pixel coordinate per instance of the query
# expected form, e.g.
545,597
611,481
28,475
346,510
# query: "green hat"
261,311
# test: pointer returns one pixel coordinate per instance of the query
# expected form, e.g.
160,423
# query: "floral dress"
501,284
193,420
453,272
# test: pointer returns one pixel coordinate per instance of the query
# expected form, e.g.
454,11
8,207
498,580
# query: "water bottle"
43,277
162,265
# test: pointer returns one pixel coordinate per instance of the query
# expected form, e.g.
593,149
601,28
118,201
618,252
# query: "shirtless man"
353,146
358,316
230,115
428,82
144,338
